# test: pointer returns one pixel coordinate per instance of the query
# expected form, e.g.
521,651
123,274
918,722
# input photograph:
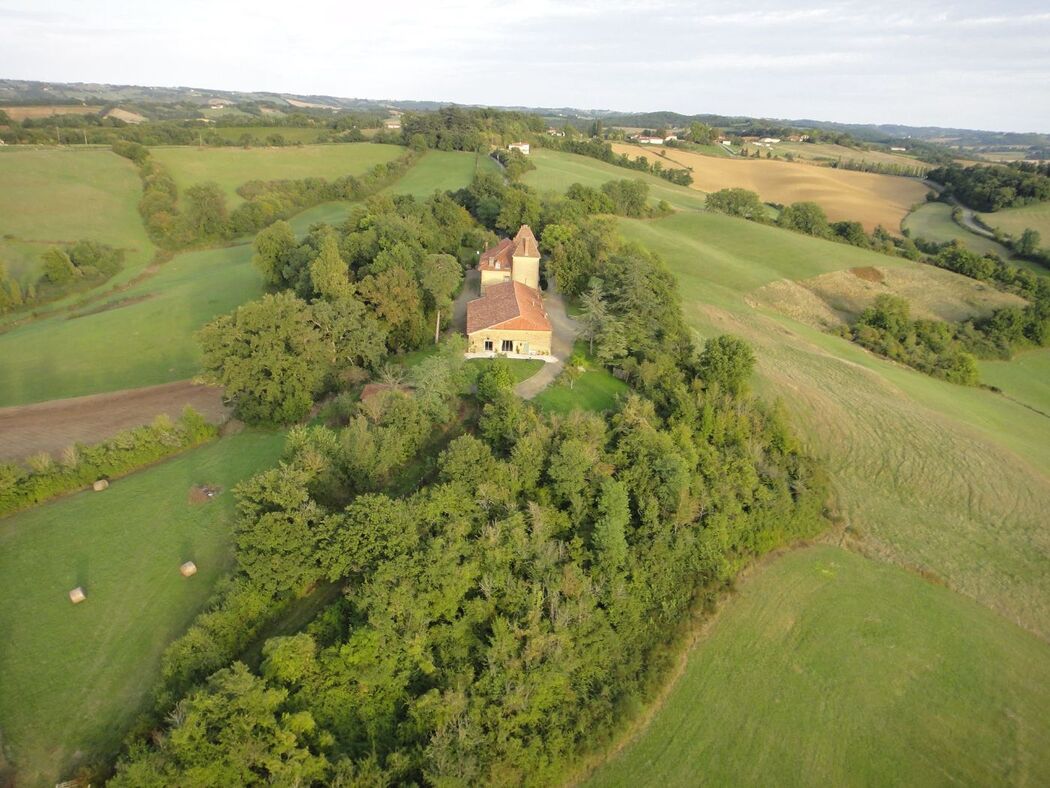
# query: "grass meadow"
843,194
928,474
75,678
827,668
441,170
51,196
145,338
1014,221
933,221
306,136
1025,378
233,167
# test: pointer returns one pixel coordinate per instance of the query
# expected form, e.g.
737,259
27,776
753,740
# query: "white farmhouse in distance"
522,147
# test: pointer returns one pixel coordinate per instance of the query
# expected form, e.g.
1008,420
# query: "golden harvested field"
843,194
46,111
826,151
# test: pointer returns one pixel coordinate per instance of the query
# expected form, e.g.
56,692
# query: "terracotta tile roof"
498,258
509,305
525,243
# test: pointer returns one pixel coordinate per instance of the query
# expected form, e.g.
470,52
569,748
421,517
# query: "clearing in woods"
843,194
51,196
233,167
827,668
75,678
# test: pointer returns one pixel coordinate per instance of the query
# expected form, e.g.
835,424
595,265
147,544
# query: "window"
508,346
488,344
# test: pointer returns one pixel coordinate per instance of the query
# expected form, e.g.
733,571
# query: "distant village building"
509,316
770,140
217,103
392,124
523,147
643,139
898,150
553,132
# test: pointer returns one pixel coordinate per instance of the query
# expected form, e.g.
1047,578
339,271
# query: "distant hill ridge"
17,91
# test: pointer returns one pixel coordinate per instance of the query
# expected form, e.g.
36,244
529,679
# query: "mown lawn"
51,196
74,678
827,668
233,167
520,368
596,390
146,339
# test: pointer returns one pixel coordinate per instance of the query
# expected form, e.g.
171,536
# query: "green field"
949,478
52,195
440,170
233,167
556,171
76,677
290,133
145,340
1025,378
933,221
827,668
1014,221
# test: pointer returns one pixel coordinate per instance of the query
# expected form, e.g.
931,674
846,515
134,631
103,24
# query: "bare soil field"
834,299
843,194
51,426
46,111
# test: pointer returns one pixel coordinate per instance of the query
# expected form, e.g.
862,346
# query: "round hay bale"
100,485
77,595
188,569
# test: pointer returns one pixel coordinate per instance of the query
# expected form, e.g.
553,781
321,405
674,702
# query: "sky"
979,65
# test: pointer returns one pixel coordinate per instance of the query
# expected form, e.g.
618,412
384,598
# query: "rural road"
565,331
54,425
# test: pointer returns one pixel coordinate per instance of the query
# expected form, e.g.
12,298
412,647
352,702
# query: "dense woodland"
506,612
991,188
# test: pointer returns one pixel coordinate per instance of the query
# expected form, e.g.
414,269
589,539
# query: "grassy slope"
1015,221
64,195
290,133
831,669
950,478
232,167
933,221
441,170
1025,378
139,344
75,677
556,171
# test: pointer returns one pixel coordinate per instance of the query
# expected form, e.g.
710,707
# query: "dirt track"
51,426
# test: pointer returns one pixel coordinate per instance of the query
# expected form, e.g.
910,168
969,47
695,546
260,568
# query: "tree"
614,515
805,217
329,273
204,211
701,133
273,248
728,361
852,233
440,277
269,357
495,380
612,342
396,299
58,268
737,202
235,731
594,314
1028,243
